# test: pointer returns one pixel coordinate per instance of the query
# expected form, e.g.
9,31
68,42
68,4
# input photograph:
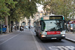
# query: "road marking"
61,48
37,44
9,39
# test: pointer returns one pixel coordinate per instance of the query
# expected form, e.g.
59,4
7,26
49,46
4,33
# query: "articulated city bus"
50,27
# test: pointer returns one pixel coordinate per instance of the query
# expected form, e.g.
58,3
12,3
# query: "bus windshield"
53,25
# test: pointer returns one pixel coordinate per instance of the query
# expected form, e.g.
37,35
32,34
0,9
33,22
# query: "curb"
69,39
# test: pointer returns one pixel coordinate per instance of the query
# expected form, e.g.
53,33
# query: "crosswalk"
61,48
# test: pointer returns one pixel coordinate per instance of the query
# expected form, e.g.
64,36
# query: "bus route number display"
56,17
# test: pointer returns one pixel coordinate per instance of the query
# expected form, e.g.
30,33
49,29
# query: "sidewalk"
70,36
5,34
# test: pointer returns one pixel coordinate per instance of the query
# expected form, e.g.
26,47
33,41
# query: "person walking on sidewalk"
29,28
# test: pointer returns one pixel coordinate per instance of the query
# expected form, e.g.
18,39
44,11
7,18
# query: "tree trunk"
6,23
9,23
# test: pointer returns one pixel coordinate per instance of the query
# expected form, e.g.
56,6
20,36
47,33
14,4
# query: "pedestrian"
29,27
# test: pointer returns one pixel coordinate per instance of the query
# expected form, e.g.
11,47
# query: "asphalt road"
21,40
26,40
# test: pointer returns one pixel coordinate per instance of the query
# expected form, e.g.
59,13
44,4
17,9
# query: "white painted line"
37,44
61,48
70,39
8,39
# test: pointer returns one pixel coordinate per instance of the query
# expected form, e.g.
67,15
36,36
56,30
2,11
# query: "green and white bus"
50,27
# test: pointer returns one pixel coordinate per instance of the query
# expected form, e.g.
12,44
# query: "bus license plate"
53,38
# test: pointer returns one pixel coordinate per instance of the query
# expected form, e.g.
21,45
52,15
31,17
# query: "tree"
23,8
60,7
5,6
15,9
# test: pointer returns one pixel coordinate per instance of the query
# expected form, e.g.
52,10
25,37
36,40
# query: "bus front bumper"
53,37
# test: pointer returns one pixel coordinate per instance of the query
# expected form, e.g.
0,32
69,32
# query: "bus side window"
42,25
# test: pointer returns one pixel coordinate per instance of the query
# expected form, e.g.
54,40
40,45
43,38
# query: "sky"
39,7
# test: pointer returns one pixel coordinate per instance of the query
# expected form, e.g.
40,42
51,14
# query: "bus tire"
42,39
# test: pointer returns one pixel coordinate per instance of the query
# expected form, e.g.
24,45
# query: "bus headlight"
71,28
63,35
43,34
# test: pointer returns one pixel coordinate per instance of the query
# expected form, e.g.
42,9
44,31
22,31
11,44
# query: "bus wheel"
42,39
